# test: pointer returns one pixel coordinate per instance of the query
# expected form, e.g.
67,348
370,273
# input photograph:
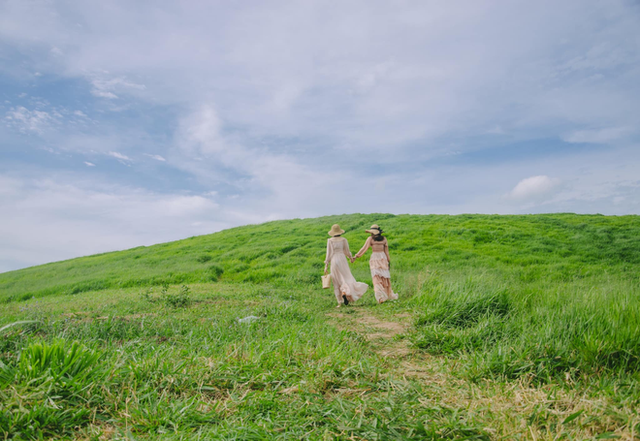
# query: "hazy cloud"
600,136
119,156
156,157
105,86
84,218
534,188
26,120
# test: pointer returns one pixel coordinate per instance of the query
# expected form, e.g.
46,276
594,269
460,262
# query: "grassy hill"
561,246
541,304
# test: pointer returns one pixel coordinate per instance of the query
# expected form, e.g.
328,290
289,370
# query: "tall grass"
505,327
56,394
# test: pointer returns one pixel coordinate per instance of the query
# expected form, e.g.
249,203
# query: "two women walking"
345,286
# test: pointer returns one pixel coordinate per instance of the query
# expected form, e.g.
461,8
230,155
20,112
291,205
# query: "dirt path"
384,334
388,338
503,406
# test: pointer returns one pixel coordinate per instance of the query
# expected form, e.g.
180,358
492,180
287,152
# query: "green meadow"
507,327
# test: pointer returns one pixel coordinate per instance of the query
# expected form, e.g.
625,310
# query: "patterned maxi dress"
343,281
379,265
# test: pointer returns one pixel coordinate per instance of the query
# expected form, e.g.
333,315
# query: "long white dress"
343,281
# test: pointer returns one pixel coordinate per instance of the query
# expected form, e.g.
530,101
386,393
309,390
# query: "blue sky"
131,123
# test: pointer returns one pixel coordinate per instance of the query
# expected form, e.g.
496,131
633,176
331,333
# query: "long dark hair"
379,237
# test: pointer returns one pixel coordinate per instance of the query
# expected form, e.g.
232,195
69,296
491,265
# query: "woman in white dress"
345,286
379,264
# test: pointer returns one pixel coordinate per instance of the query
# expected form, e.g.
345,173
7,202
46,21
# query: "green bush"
203,258
215,272
179,299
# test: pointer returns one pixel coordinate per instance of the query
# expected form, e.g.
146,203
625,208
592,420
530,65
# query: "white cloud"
496,130
104,94
104,86
275,182
26,120
199,133
156,157
617,200
534,188
61,219
350,76
89,164
600,136
120,156
9,186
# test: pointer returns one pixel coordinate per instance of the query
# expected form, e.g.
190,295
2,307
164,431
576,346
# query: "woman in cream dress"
379,264
345,286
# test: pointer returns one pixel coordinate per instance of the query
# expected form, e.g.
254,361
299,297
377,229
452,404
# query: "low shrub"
179,299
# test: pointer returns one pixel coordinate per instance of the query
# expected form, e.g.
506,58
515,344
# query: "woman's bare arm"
364,248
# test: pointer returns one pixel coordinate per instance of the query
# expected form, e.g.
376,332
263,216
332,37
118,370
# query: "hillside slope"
292,251
507,327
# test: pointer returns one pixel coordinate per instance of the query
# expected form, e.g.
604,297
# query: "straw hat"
375,229
336,230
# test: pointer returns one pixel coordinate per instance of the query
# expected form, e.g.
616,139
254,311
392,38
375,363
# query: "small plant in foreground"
148,296
180,299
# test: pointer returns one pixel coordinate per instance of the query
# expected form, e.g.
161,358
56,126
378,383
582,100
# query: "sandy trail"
502,406
387,336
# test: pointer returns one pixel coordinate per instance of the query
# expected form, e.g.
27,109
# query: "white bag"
326,281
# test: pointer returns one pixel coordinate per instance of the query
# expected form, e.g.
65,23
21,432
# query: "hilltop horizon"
258,252
276,220
296,218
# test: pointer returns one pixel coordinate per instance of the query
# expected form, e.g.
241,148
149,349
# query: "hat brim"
336,233
374,231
